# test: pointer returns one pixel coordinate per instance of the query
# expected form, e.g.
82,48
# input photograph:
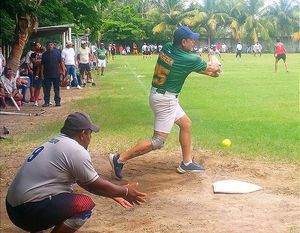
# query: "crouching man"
41,195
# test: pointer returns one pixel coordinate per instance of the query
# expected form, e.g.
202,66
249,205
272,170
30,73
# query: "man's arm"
105,188
42,71
212,70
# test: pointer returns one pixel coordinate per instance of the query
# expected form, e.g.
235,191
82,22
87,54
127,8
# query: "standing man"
29,70
174,64
68,57
36,58
84,57
239,49
135,49
41,195
144,50
257,48
51,69
102,56
213,54
280,53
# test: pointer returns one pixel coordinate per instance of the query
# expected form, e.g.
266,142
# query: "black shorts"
84,67
42,215
280,56
37,83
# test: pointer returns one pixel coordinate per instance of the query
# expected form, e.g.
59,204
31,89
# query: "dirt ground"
175,203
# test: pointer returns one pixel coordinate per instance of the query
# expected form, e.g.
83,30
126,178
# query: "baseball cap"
69,42
185,32
83,42
79,121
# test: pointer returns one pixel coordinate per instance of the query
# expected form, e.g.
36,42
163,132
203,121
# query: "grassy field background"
257,109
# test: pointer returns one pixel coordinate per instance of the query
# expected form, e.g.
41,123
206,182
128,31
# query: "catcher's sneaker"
117,167
192,167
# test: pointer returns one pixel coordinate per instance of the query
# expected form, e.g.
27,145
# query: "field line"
132,71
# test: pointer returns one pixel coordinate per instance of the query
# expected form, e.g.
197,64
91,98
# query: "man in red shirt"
280,53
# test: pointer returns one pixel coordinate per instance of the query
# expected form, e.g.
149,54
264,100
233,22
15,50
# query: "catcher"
41,195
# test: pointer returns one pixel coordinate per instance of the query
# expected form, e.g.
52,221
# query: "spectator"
9,88
224,48
135,49
144,50
113,51
84,57
109,49
159,47
29,70
41,195
101,55
51,69
22,84
121,49
128,49
36,58
68,57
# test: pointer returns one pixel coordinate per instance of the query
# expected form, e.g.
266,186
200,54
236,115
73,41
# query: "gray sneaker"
117,167
192,167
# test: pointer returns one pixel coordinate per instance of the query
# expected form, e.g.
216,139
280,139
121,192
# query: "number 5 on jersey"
160,75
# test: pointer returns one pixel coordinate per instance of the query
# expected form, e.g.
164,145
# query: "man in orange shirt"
280,53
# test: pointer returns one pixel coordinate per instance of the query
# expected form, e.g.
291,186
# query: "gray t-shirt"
52,169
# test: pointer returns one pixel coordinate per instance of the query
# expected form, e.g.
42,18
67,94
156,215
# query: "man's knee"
78,221
184,122
157,142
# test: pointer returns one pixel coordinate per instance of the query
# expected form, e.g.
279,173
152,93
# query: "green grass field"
250,104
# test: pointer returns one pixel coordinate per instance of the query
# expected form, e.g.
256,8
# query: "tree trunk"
24,27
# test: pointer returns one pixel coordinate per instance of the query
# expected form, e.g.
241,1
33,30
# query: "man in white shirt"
68,56
84,57
239,48
257,48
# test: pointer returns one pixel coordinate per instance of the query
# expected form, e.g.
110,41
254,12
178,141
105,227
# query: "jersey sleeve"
199,65
81,167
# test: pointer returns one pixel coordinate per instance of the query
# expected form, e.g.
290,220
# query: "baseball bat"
15,113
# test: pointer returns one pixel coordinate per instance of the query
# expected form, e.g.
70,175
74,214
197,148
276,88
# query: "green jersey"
101,53
173,66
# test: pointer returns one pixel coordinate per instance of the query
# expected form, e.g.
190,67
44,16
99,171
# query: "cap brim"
94,128
195,36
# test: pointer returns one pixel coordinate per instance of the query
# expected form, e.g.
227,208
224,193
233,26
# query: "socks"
188,163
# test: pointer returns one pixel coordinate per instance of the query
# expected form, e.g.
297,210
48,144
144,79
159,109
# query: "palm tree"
26,22
285,16
235,10
253,28
207,18
167,14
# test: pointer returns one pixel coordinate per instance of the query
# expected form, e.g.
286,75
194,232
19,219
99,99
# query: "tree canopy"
125,21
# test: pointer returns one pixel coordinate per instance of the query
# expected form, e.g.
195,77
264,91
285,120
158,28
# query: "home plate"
234,186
